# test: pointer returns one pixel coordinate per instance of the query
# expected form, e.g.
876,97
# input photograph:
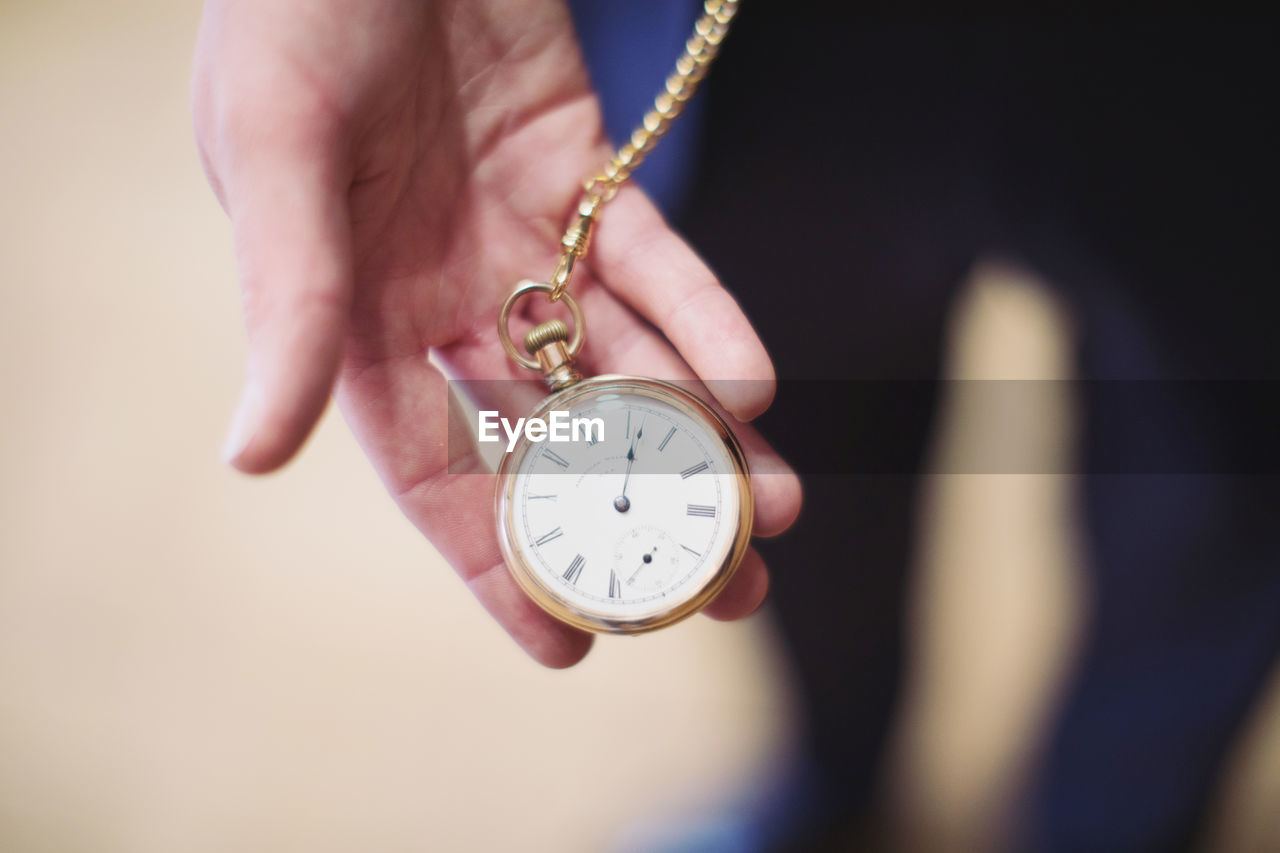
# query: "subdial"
646,560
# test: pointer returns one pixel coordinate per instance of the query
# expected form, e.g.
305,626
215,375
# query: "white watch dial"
631,524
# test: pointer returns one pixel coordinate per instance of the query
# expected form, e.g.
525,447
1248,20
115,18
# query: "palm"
430,154
462,184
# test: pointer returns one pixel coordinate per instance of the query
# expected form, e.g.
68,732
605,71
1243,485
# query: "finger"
639,257
620,342
399,409
547,641
745,592
287,201
778,492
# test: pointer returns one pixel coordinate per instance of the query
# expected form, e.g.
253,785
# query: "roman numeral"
547,454
547,537
702,511
615,588
696,469
663,444
691,551
574,571
543,497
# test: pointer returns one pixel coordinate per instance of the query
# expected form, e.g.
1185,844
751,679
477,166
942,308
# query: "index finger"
640,258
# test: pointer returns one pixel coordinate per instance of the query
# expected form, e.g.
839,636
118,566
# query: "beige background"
191,660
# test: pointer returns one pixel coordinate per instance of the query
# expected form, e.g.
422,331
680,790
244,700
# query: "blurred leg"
1185,621
1157,161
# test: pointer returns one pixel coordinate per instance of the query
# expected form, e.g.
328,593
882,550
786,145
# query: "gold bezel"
549,599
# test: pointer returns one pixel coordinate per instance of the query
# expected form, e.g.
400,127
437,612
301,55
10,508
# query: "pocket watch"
639,522
643,522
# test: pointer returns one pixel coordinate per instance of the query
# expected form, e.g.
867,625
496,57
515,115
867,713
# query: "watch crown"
546,343
545,333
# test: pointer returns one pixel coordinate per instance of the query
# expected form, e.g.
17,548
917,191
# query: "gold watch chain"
699,51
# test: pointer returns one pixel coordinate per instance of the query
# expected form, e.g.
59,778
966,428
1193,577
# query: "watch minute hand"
621,503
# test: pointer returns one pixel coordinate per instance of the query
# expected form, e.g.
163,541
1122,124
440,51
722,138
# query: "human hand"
391,169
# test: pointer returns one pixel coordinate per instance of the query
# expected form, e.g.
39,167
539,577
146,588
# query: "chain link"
699,51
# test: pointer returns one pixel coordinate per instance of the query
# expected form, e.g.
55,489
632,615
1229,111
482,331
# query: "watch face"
643,521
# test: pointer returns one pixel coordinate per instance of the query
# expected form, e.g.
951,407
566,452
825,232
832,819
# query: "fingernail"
243,425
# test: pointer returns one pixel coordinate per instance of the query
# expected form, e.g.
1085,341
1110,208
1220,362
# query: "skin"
391,169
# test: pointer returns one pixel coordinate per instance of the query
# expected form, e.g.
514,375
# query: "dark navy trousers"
842,178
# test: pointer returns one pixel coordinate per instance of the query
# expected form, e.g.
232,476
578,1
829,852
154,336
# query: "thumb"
292,233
